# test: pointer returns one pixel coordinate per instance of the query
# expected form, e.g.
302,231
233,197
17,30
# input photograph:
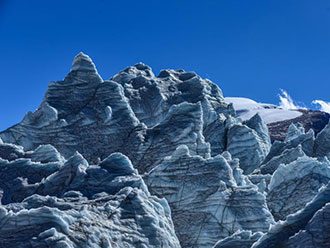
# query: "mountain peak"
82,62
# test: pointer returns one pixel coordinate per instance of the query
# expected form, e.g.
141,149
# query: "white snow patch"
247,108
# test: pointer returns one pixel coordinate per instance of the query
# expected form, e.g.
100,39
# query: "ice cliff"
70,203
140,160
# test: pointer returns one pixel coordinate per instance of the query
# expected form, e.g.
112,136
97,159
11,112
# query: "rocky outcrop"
310,119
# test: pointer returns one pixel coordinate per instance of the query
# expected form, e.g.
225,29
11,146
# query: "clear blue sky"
249,48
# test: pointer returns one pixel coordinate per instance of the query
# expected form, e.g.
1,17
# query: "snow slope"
246,108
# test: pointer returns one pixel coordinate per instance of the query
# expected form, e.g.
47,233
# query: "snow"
246,108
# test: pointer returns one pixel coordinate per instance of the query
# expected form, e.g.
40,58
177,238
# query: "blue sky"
249,48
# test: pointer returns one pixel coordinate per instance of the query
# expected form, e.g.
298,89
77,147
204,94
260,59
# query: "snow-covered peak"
246,108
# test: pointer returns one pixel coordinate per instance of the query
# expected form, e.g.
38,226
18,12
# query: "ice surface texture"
208,197
157,161
69,203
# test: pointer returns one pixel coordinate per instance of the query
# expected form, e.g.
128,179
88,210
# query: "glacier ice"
76,204
285,233
286,157
239,239
295,184
172,87
250,143
322,142
315,233
158,161
208,203
305,140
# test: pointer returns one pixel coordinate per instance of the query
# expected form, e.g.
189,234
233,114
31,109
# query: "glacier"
139,160
209,197
70,203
